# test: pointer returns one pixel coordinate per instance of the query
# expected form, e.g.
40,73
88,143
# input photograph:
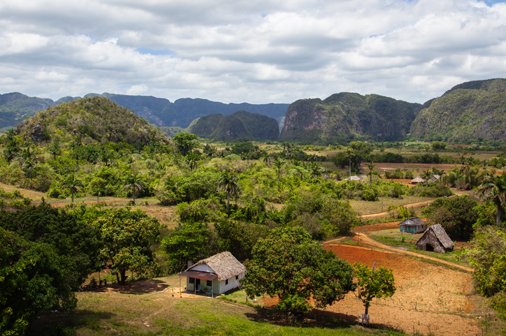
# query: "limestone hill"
94,119
471,111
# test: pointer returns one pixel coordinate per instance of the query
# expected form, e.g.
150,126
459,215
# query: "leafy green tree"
185,142
189,242
73,237
33,279
288,264
494,189
488,257
129,238
239,237
358,152
456,214
12,145
228,181
372,283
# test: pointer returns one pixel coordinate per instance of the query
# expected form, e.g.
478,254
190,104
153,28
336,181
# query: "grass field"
158,310
366,207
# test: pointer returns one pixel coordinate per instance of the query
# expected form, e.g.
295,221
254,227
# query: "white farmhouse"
214,275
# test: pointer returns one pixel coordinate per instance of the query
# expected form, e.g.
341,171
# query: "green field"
148,310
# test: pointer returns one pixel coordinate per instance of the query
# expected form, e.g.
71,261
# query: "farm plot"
429,299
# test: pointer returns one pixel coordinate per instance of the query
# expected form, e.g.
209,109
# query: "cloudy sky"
246,50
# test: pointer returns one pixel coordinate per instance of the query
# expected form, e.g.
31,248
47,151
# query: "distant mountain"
159,111
348,116
187,109
470,111
240,125
15,107
93,119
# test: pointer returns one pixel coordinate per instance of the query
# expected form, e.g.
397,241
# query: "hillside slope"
347,116
94,119
240,125
468,112
15,107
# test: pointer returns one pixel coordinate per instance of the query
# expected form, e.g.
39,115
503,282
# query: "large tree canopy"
288,264
129,237
33,279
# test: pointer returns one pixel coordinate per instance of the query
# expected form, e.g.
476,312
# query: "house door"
197,284
429,247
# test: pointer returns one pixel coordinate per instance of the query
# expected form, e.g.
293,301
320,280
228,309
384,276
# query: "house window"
191,280
209,283
226,282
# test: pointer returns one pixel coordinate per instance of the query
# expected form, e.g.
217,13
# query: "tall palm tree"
73,184
229,183
494,189
134,186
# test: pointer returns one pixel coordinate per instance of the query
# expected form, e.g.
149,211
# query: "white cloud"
258,51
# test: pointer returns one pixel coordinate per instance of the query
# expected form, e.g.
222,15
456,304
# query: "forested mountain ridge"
348,116
89,120
241,125
15,107
470,111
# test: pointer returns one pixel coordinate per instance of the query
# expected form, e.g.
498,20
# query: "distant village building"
435,239
412,225
353,178
215,275
417,180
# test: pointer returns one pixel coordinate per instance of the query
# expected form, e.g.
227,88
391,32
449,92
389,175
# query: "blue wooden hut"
413,225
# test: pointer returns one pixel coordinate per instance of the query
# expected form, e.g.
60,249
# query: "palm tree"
134,186
371,167
278,163
73,184
228,182
494,189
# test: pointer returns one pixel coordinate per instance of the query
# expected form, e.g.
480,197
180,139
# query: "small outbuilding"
215,275
417,180
353,178
412,225
435,239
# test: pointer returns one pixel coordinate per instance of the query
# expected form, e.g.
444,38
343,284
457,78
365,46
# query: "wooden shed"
214,275
412,225
435,239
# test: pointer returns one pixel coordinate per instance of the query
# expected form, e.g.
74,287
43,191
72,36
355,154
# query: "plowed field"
429,299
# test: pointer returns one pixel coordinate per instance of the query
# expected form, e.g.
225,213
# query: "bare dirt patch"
429,299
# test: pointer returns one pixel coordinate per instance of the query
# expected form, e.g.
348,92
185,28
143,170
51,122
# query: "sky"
249,51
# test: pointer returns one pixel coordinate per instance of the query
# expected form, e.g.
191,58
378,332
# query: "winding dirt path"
366,240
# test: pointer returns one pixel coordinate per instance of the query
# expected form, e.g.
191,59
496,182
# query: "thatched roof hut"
435,239
417,180
412,225
221,273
